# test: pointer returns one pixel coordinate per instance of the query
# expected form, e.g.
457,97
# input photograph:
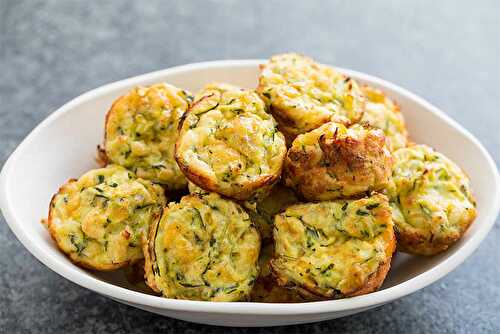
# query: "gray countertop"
52,51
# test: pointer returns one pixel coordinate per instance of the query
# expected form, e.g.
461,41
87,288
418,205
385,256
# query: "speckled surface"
52,51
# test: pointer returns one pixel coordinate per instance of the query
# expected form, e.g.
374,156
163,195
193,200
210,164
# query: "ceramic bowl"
64,146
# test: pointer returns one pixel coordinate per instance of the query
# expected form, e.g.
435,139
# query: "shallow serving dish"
64,146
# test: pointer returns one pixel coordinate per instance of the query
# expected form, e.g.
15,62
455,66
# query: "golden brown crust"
208,184
99,220
372,283
266,290
418,244
52,232
150,257
337,162
101,158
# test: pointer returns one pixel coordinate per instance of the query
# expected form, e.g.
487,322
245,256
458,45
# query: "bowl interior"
64,146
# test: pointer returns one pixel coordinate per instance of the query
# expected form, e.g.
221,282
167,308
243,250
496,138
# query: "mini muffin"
229,144
102,219
382,113
266,290
334,161
203,248
432,201
141,130
303,94
262,213
334,249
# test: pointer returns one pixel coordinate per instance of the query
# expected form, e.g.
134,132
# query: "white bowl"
64,146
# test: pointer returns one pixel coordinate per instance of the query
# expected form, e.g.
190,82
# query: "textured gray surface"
52,51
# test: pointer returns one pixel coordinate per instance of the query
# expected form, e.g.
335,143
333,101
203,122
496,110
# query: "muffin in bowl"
433,205
102,220
140,133
334,249
229,144
303,94
334,161
203,248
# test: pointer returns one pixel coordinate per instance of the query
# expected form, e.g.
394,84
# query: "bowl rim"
72,272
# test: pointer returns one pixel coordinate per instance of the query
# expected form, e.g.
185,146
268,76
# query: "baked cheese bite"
266,290
432,200
229,144
303,94
141,130
203,248
334,249
102,219
383,113
334,161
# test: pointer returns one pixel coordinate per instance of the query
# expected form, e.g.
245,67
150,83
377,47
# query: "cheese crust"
203,248
334,249
432,201
229,144
334,161
102,219
383,113
303,94
141,130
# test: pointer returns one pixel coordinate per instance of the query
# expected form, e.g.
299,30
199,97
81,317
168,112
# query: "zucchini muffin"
141,130
102,219
303,94
203,248
432,201
334,161
334,249
229,144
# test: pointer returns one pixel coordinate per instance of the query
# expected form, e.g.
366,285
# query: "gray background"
52,51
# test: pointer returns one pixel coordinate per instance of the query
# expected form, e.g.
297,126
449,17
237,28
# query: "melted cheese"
332,248
432,200
204,248
229,143
303,94
101,220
